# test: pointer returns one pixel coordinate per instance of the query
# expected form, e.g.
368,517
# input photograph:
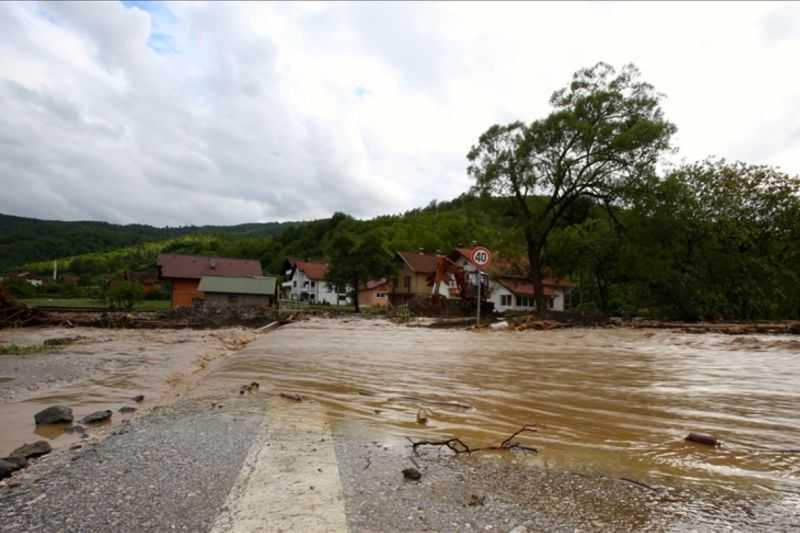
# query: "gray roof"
238,285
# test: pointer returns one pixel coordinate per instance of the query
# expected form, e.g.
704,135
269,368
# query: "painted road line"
290,478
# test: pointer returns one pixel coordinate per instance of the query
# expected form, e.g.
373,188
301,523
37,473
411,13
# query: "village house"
307,283
415,277
227,292
510,289
375,293
184,273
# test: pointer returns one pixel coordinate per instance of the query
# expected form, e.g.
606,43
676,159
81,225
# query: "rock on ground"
53,415
98,416
37,449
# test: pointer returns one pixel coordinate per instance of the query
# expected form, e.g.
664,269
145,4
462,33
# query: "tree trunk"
536,277
355,295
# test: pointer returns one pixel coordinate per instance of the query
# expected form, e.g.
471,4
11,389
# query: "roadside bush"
124,294
19,288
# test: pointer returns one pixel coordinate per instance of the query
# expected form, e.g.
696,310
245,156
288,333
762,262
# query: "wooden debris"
291,396
458,446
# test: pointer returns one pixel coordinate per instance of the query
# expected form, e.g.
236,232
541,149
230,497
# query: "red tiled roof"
312,270
375,284
196,266
419,261
524,288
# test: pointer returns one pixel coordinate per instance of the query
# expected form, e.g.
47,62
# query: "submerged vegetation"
27,349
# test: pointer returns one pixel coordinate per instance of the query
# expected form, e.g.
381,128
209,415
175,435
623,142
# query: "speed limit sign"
481,256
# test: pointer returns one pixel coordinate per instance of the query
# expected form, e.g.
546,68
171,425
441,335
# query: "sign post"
480,257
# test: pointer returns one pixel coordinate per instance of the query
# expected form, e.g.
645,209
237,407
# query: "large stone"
6,468
53,415
37,449
17,462
97,416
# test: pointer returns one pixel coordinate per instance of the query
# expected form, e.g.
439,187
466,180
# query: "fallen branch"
459,447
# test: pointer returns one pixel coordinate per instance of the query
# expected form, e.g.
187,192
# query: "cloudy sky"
194,113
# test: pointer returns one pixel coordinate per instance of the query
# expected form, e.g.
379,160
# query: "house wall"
410,284
217,299
497,293
370,297
517,304
305,289
184,291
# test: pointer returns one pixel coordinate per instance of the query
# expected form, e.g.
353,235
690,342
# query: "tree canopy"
606,130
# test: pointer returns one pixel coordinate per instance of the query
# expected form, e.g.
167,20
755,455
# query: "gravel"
504,493
167,471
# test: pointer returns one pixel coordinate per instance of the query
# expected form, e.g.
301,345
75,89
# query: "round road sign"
481,256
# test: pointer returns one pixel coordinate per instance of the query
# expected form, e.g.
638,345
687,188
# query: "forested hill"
26,240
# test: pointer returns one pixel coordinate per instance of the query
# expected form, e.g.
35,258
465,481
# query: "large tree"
355,260
606,130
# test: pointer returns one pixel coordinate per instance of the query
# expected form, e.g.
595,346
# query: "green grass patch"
17,349
89,303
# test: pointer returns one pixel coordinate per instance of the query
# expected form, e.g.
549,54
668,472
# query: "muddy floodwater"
615,401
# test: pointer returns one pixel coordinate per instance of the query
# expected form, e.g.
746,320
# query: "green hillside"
683,247
26,240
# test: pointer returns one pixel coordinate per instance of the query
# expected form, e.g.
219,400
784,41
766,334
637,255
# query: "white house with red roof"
510,289
307,283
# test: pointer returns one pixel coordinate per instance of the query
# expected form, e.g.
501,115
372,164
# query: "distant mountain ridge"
25,240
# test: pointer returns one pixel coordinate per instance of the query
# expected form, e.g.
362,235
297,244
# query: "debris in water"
422,416
291,396
61,341
702,438
458,446
127,409
412,474
139,398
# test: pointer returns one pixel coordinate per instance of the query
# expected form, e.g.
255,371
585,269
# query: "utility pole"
480,282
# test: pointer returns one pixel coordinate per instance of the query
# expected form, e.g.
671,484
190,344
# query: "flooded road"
615,401
102,369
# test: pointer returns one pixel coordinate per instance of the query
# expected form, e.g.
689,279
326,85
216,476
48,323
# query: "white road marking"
290,478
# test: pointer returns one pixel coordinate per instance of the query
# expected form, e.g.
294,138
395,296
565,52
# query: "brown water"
103,370
614,401
618,402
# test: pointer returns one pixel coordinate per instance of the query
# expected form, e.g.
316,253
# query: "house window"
313,284
524,301
505,300
380,295
407,282
294,283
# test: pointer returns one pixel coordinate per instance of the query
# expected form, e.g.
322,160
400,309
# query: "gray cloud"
226,113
